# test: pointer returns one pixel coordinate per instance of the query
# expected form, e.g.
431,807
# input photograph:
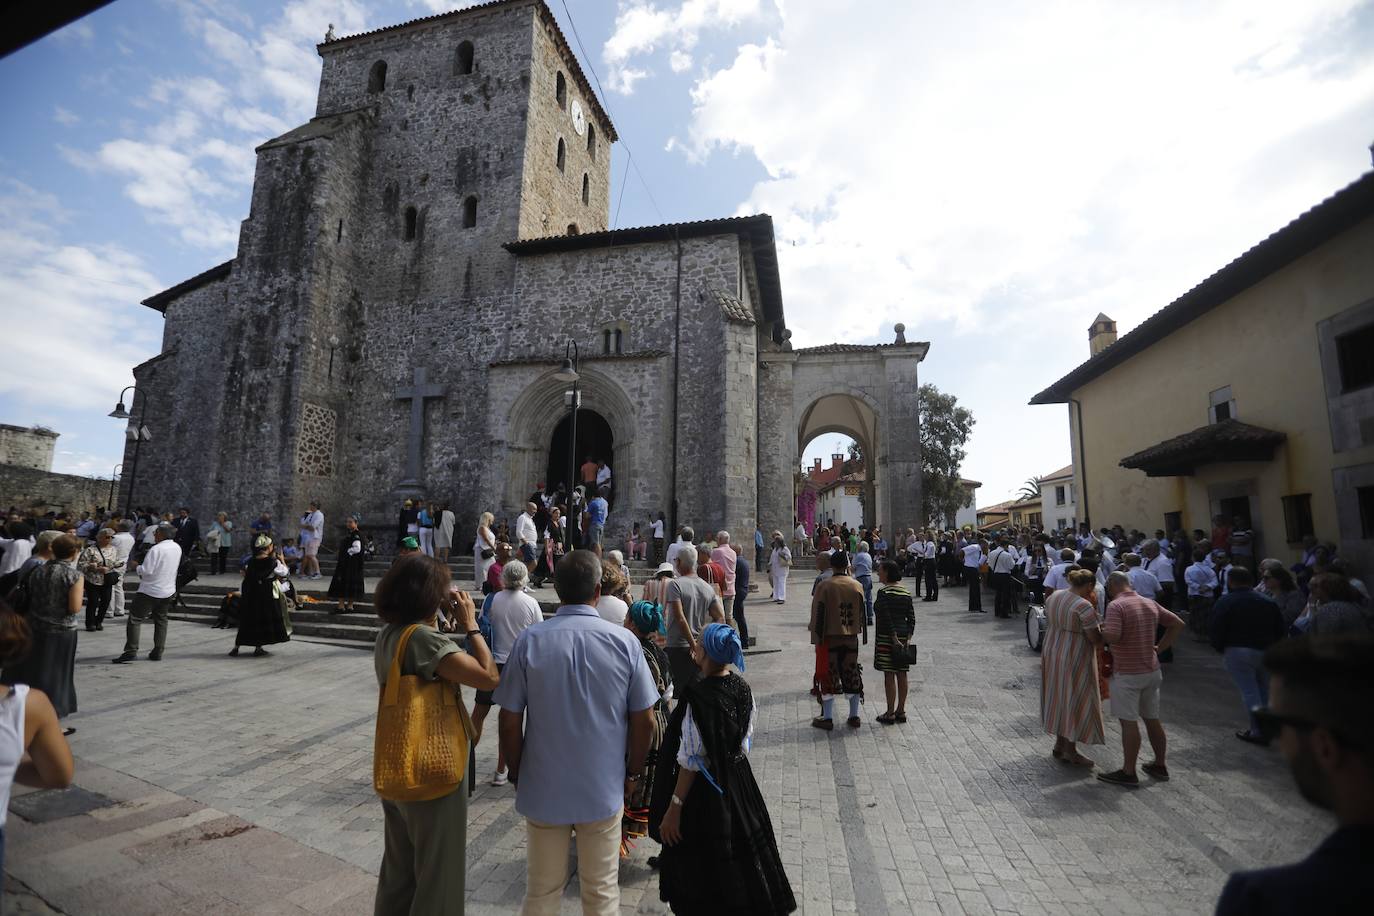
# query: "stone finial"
787,340
901,332
329,33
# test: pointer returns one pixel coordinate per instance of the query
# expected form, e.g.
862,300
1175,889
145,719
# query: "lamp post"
568,373
138,434
114,476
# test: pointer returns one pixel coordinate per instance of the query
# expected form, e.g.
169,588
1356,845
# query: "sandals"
887,718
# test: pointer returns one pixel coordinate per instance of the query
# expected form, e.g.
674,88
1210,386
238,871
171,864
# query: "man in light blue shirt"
577,703
597,510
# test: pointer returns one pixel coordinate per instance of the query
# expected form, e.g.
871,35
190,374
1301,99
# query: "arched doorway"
594,439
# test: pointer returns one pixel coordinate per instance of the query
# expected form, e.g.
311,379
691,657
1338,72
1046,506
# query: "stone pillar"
777,452
899,448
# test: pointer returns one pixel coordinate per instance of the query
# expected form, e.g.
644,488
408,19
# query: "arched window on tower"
606,342
376,78
586,188
572,228
562,154
470,213
462,63
412,218
560,90
618,339
591,140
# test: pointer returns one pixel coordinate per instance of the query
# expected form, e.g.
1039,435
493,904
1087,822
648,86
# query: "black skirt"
50,666
727,860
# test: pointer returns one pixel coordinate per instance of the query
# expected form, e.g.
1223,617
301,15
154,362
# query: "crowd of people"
669,707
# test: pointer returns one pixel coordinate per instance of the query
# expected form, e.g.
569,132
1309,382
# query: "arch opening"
595,440
376,78
839,476
462,62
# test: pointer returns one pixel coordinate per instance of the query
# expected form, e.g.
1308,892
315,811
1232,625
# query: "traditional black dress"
727,860
347,582
260,606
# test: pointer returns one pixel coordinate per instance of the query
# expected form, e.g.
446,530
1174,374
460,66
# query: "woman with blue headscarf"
645,621
720,854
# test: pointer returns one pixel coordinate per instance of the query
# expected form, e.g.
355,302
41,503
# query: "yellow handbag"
423,735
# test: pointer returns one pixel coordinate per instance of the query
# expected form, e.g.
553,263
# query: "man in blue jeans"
1243,624
597,510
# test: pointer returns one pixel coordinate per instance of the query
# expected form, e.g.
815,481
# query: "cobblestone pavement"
960,810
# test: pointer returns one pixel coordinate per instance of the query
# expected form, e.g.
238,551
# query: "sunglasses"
1271,724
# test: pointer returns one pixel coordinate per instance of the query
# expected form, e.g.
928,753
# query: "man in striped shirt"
1129,628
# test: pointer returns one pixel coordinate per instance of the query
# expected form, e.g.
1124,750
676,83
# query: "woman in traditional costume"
347,585
895,616
261,621
720,854
1070,697
645,621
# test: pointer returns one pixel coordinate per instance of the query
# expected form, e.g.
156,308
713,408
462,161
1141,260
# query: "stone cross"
417,393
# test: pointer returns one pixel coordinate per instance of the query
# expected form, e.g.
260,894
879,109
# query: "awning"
1215,443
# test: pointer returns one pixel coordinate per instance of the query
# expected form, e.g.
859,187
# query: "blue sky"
990,175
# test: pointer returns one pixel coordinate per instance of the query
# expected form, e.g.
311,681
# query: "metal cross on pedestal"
417,393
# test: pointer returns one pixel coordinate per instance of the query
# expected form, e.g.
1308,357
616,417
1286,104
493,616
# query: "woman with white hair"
513,610
779,562
483,549
617,559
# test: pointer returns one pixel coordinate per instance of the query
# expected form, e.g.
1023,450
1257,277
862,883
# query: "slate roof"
574,64
1229,440
1331,217
756,229
159,300
317,127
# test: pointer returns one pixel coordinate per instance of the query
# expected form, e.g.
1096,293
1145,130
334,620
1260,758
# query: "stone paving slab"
962,810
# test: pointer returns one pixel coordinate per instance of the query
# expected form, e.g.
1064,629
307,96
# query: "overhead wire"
605,101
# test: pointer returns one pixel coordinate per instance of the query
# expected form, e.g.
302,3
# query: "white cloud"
641,28
62,360
1007,175
64,117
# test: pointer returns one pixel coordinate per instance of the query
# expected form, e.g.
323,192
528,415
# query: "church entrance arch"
532,428
595,440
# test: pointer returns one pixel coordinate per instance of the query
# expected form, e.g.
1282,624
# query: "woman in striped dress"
896,623
1070,702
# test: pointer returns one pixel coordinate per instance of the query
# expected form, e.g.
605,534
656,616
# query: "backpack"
484,620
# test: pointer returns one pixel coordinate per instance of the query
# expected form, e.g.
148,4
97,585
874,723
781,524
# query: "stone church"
417,261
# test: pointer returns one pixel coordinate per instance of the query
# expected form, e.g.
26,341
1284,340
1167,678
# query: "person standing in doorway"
575,745
157,592
586,475
312,534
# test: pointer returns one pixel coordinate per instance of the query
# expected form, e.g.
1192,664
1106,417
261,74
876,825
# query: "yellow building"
1251,395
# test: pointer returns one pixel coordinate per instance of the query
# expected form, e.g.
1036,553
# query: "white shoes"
500,778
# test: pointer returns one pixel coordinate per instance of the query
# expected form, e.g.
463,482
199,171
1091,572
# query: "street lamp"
114,476
568,373
137,434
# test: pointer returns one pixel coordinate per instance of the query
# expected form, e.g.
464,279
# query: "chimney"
817,468
836,461
1101,335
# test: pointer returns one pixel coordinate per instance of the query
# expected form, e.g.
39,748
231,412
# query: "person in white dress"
486,541
443,532
779,563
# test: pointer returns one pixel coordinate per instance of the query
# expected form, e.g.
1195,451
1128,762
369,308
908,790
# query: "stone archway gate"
868,392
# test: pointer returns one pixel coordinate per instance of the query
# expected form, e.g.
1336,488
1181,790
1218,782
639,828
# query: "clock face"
578,118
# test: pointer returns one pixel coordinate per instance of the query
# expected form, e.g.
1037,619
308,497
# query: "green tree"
945,429
1030,489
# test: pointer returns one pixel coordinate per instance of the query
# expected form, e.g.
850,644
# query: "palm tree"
1031,489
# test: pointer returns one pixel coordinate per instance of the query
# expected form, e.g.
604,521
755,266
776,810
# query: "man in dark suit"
1321,712
188,531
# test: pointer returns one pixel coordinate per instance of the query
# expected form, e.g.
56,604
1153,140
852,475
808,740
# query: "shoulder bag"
423,735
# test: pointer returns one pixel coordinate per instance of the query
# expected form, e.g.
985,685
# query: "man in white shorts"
1130,631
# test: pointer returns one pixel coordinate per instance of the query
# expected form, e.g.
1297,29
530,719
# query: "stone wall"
31,488
27,446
